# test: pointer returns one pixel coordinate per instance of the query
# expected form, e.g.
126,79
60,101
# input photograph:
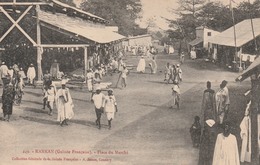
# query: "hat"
110,89
3,63
98,88
178,65
210,122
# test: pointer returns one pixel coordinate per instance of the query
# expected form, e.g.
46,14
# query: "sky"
159,9
156,9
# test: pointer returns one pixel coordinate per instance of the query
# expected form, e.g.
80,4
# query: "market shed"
234,45
84,29
243,34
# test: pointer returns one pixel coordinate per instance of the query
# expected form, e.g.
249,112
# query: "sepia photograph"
130,82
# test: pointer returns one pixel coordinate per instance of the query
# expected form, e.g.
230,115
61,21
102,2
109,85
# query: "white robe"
109,106
226,151
141,65
65,109
193,54
245,134
31,73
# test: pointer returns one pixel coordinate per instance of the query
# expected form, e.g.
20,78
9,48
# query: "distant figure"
226,150
195,132
46,77
167,72
90,77
55,68
64,104
153,66
171,49
3,72
193,54
124,74
182,56
141,65
31,74
22,74
7,99
178,74
248,62
114,65
110,106
175,96
51,94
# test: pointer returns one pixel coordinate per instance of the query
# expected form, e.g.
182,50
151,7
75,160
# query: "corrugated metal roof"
80,27
250,70
243,34
76,9
196,41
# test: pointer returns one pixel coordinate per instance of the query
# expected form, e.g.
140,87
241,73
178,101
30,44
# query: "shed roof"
79,27
243,34
196,41
75,10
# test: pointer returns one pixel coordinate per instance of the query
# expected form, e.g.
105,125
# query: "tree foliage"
213,15
121,13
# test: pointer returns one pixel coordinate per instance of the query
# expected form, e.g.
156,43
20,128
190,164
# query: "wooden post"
85,62
39,48
255,82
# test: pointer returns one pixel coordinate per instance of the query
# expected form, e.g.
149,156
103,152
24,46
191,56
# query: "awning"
196,41
243,34
255,66
79,27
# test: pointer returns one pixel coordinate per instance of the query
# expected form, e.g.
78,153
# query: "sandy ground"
145,130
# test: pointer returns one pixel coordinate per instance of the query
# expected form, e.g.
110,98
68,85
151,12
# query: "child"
195,132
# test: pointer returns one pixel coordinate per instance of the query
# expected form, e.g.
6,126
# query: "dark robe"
207,145
208,108
7,99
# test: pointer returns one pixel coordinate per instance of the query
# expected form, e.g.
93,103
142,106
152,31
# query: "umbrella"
253,68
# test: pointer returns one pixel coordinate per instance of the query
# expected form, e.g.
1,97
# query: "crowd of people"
212,135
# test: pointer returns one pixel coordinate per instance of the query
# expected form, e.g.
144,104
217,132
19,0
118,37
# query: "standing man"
8,99
64,104
110,106
226,150
222,102
208,108
31,74
98,99
55,69
4,72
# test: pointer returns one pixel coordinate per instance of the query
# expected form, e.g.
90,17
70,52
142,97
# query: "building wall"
207,34
140,41
199,32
